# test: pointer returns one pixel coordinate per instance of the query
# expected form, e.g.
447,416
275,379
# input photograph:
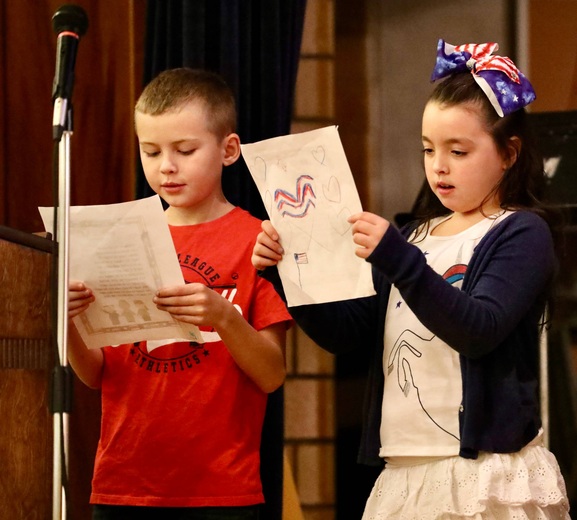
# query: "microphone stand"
544,380
61,376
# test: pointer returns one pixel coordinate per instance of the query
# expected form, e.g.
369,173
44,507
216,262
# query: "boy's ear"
231,149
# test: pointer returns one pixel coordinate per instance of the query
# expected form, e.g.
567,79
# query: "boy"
183,442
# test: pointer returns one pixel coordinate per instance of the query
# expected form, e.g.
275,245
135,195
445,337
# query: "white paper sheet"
124,253
309,192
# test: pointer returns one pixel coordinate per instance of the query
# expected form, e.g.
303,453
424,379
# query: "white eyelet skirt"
523,485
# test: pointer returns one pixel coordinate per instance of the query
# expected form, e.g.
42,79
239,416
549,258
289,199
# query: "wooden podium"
26,361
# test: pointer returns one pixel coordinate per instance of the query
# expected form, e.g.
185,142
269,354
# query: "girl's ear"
513,151
231,148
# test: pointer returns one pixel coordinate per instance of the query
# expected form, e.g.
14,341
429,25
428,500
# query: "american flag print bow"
505,86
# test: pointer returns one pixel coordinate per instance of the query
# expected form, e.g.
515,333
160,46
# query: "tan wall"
310,388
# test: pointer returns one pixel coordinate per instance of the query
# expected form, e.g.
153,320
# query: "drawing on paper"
309,193
297,206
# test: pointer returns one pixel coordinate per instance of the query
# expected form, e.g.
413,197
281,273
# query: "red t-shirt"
181,424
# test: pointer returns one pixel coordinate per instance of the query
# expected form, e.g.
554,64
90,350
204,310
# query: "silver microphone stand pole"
70,23
544,381
62,379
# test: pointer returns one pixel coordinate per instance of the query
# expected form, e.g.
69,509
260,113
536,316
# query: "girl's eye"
150,154
186,152
427,151
458,153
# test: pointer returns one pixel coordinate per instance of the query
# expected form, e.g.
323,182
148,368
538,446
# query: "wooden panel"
351,96
25,359
552,56
22,293
25,446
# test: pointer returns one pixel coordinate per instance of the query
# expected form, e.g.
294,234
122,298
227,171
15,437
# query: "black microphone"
70,23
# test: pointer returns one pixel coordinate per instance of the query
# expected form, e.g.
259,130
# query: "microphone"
69,23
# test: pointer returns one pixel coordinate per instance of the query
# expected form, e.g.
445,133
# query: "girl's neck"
459,222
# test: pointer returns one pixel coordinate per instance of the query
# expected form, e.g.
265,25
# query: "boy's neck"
178,216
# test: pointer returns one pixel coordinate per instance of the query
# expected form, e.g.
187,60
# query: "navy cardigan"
493,321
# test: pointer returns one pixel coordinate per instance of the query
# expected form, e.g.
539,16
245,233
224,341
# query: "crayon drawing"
309,192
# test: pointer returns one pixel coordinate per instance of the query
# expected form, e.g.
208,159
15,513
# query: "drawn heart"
332,192
339,221
319,154
259,170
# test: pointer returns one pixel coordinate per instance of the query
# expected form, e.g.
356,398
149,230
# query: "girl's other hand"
368,230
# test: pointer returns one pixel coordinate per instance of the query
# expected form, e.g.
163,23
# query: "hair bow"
505,86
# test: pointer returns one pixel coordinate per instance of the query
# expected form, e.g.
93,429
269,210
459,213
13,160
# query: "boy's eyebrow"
179,141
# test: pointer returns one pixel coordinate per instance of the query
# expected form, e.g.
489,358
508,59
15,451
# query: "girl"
452,406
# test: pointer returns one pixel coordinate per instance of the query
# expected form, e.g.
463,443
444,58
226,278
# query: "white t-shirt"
423,389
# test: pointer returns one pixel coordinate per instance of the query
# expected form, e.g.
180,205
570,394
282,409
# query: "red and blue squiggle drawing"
298,205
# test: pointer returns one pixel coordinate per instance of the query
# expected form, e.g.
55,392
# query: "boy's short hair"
173,88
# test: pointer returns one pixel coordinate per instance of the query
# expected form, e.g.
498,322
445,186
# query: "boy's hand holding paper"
124,253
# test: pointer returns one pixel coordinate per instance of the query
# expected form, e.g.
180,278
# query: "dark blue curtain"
255,46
